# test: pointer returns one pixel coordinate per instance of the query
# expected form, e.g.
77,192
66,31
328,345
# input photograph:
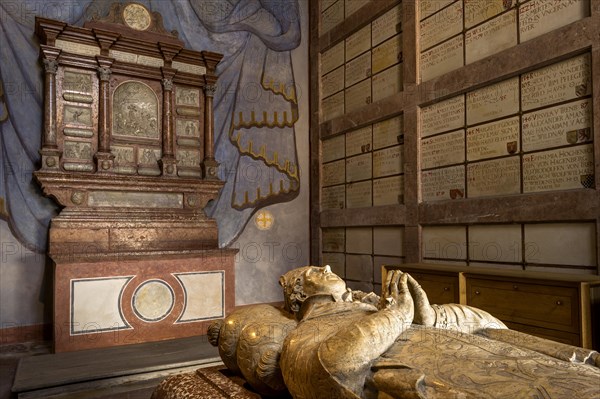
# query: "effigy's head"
307,281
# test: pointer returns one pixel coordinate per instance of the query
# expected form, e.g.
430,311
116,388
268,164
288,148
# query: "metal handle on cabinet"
477,292
446,289
559,302
515,287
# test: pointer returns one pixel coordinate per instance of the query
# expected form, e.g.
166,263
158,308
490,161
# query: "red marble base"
141,298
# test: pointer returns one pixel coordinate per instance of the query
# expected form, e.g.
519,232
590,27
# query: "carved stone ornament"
210,90
167,84
335,343
50,66
104,73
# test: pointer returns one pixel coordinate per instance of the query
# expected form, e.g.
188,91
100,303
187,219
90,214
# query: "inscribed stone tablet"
358,43
445,149
493,139
561,169
429,7
333,106
387,54
540,16
358,69
358,168
477,11
332,82
333,197
358,141
358,195
491,37
388,191
495,101
443,184
353,6
441,59
388,132
387,25
497,177
445,115
552,127
334,240
358,95
334,173
333,148
388,161
441,26
387,83
557,82
331,17
332,58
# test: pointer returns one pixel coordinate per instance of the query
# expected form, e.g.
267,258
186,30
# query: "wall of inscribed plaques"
457,33
497,156
530,133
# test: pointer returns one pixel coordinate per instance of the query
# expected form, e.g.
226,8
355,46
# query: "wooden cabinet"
560,307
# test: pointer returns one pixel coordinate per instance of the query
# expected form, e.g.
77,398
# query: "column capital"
50,66
104,73
210,89
167,84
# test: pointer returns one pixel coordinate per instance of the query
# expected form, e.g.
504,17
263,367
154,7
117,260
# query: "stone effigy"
331,342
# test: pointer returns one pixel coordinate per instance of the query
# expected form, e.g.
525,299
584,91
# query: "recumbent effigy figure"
330,342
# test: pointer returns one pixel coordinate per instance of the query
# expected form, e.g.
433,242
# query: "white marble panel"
332,82
388,161
491,37
495,243
494,101
540,16
388,191
388,132
358,42
358,69
443,184
443,116
96,304
493,139
442,150
388,241
358,96
333,197
359,240
332,17
441,26
334,240
387,54
497,177
332,148
561,243
387,83
477,11
358,168
334,173
445,242
430,7
332,58
387,25
569,123
441,59
204,295
558,82
562,169
359,195
332,107
359,141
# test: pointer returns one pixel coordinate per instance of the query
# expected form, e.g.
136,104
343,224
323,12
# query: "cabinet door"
518,301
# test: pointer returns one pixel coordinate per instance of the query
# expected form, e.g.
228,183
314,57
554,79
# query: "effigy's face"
321,280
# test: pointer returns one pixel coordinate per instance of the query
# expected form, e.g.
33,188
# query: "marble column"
209,164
